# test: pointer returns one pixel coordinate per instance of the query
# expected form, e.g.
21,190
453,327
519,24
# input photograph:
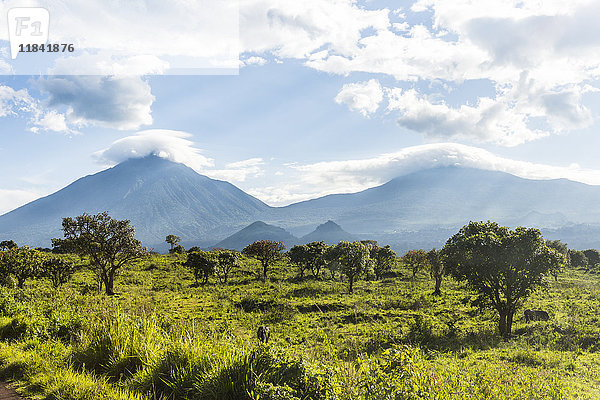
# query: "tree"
309,256
416,260
57,270
383,260
172,240
436,269
226,261
299,256
202,264
564,251
109,244
578,260
354,260
267,252
501,265
7,245
22,262
593,257
178,249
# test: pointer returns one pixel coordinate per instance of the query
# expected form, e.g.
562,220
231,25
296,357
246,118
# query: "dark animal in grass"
536,315
263,333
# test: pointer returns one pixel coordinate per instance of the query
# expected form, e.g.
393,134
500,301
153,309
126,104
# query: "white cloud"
11,199
254,60
283,195
52,121
120,103
238,171
363,97
554,44
295,29
19,103
171,145
354,175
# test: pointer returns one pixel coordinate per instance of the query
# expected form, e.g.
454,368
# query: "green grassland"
163,336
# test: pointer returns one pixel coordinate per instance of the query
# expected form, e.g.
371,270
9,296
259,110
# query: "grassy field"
164,337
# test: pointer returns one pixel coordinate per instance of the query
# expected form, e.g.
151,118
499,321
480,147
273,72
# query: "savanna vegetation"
351,321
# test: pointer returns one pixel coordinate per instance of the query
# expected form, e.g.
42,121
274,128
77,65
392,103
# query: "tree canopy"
383,260
109,244
266,251
416,260
353,258
503,266
172,240
309,256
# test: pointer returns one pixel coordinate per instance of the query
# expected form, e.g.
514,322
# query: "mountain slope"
257,231
449,196
329,232
160,197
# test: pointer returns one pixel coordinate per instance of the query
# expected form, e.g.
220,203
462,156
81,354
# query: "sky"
326,96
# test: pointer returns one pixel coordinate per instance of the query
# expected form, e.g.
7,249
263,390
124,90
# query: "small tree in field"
593,257
577,259
383,260
202,264
501,265
173,241
57,270
354,260
7,245
564,251
226,261
436,269
416,261
22,262
309,256
109,243
268,252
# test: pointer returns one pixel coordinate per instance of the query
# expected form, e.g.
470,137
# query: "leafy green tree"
298,255
593,257
268,252
354,260
436,269
173,241
564,251
501,265
383,260
21,262
577,259
227,260
202,264
309,256
7,245
178,249
416,261
109,244
57,270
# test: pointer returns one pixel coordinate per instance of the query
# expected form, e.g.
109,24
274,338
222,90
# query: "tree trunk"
502,327
509,321
265,267
20,282
350,282
438,285
109,283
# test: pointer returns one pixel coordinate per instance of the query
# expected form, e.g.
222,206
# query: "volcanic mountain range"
421,209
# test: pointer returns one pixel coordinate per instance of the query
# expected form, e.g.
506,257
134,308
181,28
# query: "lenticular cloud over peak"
168,144
359,174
